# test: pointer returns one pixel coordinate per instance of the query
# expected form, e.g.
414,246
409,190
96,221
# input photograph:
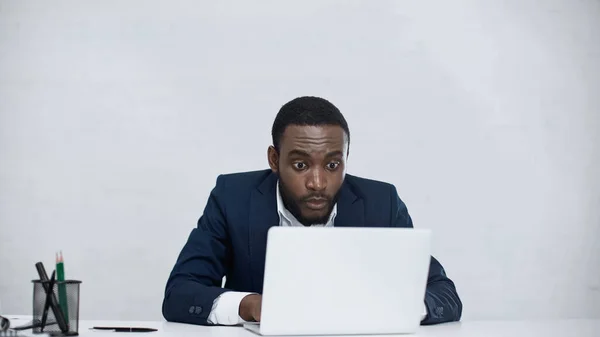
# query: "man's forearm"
442,302
189,301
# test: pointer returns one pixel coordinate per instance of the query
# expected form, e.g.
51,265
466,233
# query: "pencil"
62,287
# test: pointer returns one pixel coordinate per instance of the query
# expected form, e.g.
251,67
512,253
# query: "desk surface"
541,328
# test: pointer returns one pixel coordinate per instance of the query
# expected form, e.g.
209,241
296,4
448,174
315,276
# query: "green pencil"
62,287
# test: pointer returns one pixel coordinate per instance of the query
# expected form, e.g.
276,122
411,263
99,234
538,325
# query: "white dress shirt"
225,309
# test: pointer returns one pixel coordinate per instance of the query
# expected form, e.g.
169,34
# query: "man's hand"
250,308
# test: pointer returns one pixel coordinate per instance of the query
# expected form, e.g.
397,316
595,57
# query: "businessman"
306,185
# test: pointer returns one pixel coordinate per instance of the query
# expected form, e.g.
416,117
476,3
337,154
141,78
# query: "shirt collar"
287,219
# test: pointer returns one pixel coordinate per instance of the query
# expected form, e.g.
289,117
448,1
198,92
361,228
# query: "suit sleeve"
441,299
195,281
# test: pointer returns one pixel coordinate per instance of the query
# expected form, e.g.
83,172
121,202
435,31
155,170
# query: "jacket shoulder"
369,187
242,181
382,203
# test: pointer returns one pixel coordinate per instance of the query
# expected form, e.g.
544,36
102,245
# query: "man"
306,185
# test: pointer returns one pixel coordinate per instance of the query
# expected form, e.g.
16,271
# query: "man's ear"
273,158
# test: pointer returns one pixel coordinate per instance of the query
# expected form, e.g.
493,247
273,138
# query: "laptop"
343,280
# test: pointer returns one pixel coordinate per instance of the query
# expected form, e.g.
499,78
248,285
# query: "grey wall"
117,116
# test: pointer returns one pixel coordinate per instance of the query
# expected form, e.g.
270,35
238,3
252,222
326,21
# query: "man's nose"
316,180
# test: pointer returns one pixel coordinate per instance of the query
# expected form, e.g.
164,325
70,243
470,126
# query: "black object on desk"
48,316
47,302
124,329
51,300
4,324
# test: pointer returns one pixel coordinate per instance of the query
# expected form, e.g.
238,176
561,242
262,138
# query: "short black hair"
307,110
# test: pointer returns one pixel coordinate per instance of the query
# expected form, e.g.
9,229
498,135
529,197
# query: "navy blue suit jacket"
231,236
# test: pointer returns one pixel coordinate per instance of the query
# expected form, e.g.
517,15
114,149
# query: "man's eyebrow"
306,154
298,153
334,154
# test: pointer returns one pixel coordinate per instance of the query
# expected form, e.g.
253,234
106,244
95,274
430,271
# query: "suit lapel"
263,215
351,212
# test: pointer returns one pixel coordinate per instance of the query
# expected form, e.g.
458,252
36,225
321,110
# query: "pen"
49,295
124,329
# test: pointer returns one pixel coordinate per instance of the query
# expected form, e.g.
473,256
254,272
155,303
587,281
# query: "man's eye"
333,165
299,166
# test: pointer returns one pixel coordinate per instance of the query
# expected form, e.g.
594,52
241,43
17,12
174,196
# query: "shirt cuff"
424,314
226,308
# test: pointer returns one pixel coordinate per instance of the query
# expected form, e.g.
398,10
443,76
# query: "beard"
293,205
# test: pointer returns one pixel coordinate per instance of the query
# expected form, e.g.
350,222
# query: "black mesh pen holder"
56,307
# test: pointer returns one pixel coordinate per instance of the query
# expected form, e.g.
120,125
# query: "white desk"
545,328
